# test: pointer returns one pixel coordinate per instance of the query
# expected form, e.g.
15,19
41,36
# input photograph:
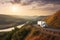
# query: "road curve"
10,29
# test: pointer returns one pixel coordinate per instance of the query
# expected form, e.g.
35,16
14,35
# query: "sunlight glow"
15,8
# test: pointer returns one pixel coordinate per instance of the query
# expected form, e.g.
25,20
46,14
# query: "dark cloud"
27,2
40,4
51,1
17,1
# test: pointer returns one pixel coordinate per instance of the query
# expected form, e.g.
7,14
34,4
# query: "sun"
15,8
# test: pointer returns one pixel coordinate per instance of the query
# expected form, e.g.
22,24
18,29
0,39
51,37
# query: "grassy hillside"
29,32
54,20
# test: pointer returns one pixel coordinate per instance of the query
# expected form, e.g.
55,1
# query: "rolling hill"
54,20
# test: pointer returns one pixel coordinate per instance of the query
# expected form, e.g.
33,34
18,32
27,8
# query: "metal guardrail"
49,31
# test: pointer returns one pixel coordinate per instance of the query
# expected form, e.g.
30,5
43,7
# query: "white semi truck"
42,23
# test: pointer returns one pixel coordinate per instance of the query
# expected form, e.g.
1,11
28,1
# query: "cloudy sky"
29,7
